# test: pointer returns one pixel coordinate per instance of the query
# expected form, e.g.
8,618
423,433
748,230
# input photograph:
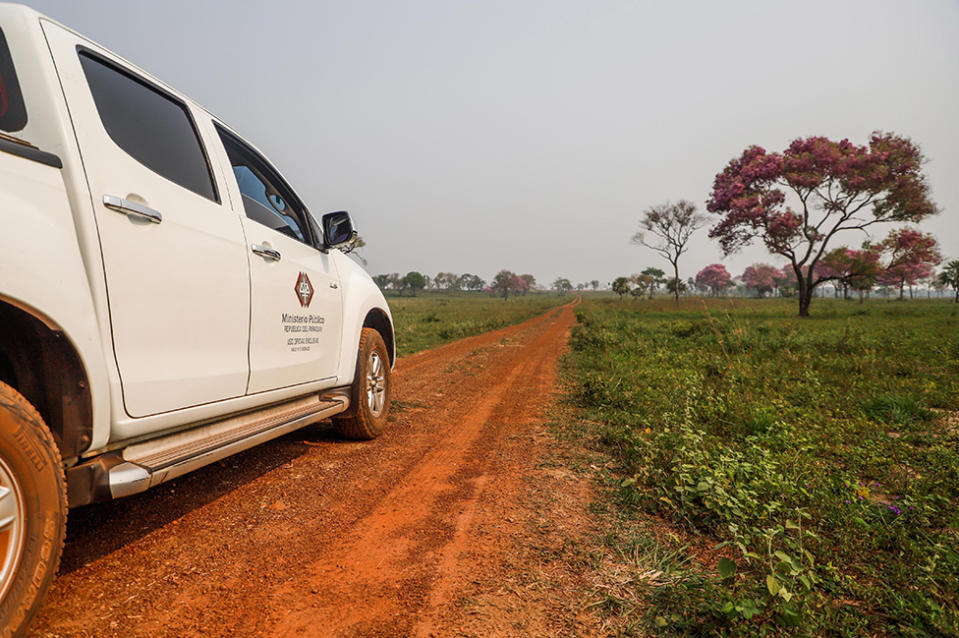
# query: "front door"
174,255
295,317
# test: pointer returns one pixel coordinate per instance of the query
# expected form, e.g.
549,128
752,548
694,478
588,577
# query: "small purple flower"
848,501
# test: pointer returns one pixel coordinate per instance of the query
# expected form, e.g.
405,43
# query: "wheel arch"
378,320
39,361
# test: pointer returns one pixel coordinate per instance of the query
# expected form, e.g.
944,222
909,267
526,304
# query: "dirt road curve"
310,535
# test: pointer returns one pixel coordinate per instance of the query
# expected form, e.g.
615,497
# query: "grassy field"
802,476
430,320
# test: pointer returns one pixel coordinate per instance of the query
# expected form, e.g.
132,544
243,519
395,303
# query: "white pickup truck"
166,299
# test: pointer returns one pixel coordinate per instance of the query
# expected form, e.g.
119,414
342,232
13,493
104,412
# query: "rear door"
296,308
174,254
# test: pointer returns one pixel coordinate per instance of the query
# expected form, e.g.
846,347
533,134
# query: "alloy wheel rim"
12,518
375,384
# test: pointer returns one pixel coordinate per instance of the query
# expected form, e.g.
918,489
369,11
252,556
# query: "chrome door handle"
132,208
263,251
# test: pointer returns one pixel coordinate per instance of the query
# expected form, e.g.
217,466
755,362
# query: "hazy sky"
475,136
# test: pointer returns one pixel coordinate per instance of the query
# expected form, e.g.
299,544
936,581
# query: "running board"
143,465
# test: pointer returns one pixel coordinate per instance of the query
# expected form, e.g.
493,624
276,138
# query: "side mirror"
337,229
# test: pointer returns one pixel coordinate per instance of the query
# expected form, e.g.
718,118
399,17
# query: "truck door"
174,254
296,308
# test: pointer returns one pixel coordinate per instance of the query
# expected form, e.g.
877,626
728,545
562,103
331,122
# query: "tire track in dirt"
313,536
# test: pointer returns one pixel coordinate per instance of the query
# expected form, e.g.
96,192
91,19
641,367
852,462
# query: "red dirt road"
314,536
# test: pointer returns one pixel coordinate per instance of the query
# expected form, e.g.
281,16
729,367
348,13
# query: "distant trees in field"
414,281
621,286
950,277
562,285
912,257
763,278
470,282
676,287
530,282
649,280
850,269
714,279
834,187
506,282
646,283
666,229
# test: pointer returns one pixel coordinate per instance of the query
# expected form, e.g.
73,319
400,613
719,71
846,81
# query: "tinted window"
150,125
13,114
266,197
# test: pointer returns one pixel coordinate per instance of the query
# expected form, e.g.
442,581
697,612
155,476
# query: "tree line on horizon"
504,283
763,279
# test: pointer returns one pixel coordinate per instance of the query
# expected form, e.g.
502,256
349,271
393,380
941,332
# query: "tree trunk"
862,296
676,279
805,296
804,301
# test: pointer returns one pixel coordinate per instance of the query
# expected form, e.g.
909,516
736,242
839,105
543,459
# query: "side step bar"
143,465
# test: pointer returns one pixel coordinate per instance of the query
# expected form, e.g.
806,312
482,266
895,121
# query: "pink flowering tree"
760,277
714,278
912,257
832,187
851,269
506,282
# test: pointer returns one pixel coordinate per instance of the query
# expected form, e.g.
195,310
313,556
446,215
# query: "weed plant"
820,455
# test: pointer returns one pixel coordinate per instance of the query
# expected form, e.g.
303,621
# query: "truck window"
266,197
150,125
13,113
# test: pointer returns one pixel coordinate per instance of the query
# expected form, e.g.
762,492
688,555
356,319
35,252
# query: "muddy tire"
33,511
370,394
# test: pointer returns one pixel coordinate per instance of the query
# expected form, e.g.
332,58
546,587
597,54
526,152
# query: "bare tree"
666,229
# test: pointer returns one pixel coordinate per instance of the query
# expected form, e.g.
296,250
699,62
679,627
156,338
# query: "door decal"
304,290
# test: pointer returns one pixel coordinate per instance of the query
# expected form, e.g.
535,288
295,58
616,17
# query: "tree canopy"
713,278
834,187
950,277
621,286
666,229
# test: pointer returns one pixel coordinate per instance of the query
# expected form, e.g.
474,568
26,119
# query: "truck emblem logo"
304,290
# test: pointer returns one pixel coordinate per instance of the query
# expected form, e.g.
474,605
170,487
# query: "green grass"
820,455
431,319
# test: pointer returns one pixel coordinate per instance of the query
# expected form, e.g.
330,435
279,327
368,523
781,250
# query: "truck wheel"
370,394
33,510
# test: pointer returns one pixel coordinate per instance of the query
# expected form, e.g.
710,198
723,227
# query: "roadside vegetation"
433,319
776,474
